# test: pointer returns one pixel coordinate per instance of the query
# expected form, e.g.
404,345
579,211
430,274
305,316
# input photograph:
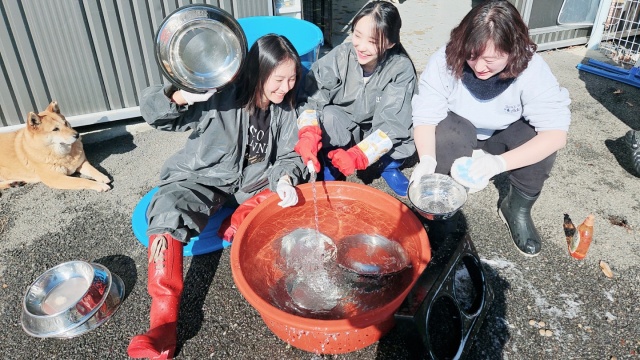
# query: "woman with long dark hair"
241,144
358,96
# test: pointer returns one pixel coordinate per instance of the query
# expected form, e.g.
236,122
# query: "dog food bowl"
71,299
343,209
200,47
437,196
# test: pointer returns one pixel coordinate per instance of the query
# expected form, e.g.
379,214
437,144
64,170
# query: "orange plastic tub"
344,209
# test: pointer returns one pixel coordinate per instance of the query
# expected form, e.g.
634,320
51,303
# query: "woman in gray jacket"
361,94
241,143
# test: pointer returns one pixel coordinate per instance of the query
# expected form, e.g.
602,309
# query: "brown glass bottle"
581,241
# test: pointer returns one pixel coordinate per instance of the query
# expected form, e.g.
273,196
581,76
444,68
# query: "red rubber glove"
231,224
309,142
349,161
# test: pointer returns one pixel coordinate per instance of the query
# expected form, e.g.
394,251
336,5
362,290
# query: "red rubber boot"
164,285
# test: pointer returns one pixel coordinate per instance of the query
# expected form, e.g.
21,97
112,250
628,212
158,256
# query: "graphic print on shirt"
258,136
513,109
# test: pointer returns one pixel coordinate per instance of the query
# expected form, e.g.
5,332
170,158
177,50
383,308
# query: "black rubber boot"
515,211
632,139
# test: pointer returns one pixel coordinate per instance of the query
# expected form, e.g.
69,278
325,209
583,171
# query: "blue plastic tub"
208,241
305,36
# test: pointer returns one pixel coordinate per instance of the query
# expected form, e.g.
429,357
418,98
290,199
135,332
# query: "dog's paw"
16,184
101,187
103,179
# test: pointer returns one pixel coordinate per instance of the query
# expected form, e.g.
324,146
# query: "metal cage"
620,43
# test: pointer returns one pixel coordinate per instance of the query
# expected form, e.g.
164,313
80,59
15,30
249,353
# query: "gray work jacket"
383,102
215,150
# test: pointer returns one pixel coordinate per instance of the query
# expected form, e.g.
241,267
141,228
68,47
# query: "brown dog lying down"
47,150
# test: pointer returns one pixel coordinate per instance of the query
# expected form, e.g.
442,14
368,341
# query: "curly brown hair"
500,22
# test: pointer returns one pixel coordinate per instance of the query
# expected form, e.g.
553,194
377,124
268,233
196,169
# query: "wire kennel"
620,42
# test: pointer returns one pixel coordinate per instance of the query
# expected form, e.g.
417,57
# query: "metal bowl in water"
70,299
437,196
200,47
371,255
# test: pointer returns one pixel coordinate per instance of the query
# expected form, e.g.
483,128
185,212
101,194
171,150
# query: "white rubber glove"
191,98
287,192
310,167
426,166
474,173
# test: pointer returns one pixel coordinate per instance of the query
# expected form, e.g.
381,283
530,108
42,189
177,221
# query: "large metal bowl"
372,255
437,196
200,47
70,299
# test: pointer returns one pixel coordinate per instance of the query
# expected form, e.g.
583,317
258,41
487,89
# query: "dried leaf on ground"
606,269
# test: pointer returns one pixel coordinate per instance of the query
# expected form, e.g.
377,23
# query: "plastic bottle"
581,241
569,229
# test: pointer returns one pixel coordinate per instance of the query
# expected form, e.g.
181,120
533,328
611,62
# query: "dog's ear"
53,107
33,120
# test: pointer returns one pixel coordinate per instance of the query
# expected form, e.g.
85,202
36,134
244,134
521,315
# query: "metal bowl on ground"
70,299
437,196
200,47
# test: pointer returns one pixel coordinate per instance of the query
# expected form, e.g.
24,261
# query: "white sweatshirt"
534,95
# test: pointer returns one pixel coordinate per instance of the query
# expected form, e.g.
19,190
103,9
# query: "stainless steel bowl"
437,196
200,47
70,299
109,306
371,255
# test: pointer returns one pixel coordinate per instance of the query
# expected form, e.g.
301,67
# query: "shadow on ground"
621,100
196,287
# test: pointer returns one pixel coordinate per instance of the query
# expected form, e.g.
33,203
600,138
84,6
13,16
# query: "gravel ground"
583,313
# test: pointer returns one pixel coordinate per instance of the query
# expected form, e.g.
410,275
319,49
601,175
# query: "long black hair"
265,55
387,27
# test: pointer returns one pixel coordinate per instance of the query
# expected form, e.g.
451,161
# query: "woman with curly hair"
488,104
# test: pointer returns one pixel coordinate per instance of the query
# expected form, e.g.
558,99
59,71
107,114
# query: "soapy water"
437,207
439,201
313,285
465,290
306,249
305,252
437,194
335,294
314,291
